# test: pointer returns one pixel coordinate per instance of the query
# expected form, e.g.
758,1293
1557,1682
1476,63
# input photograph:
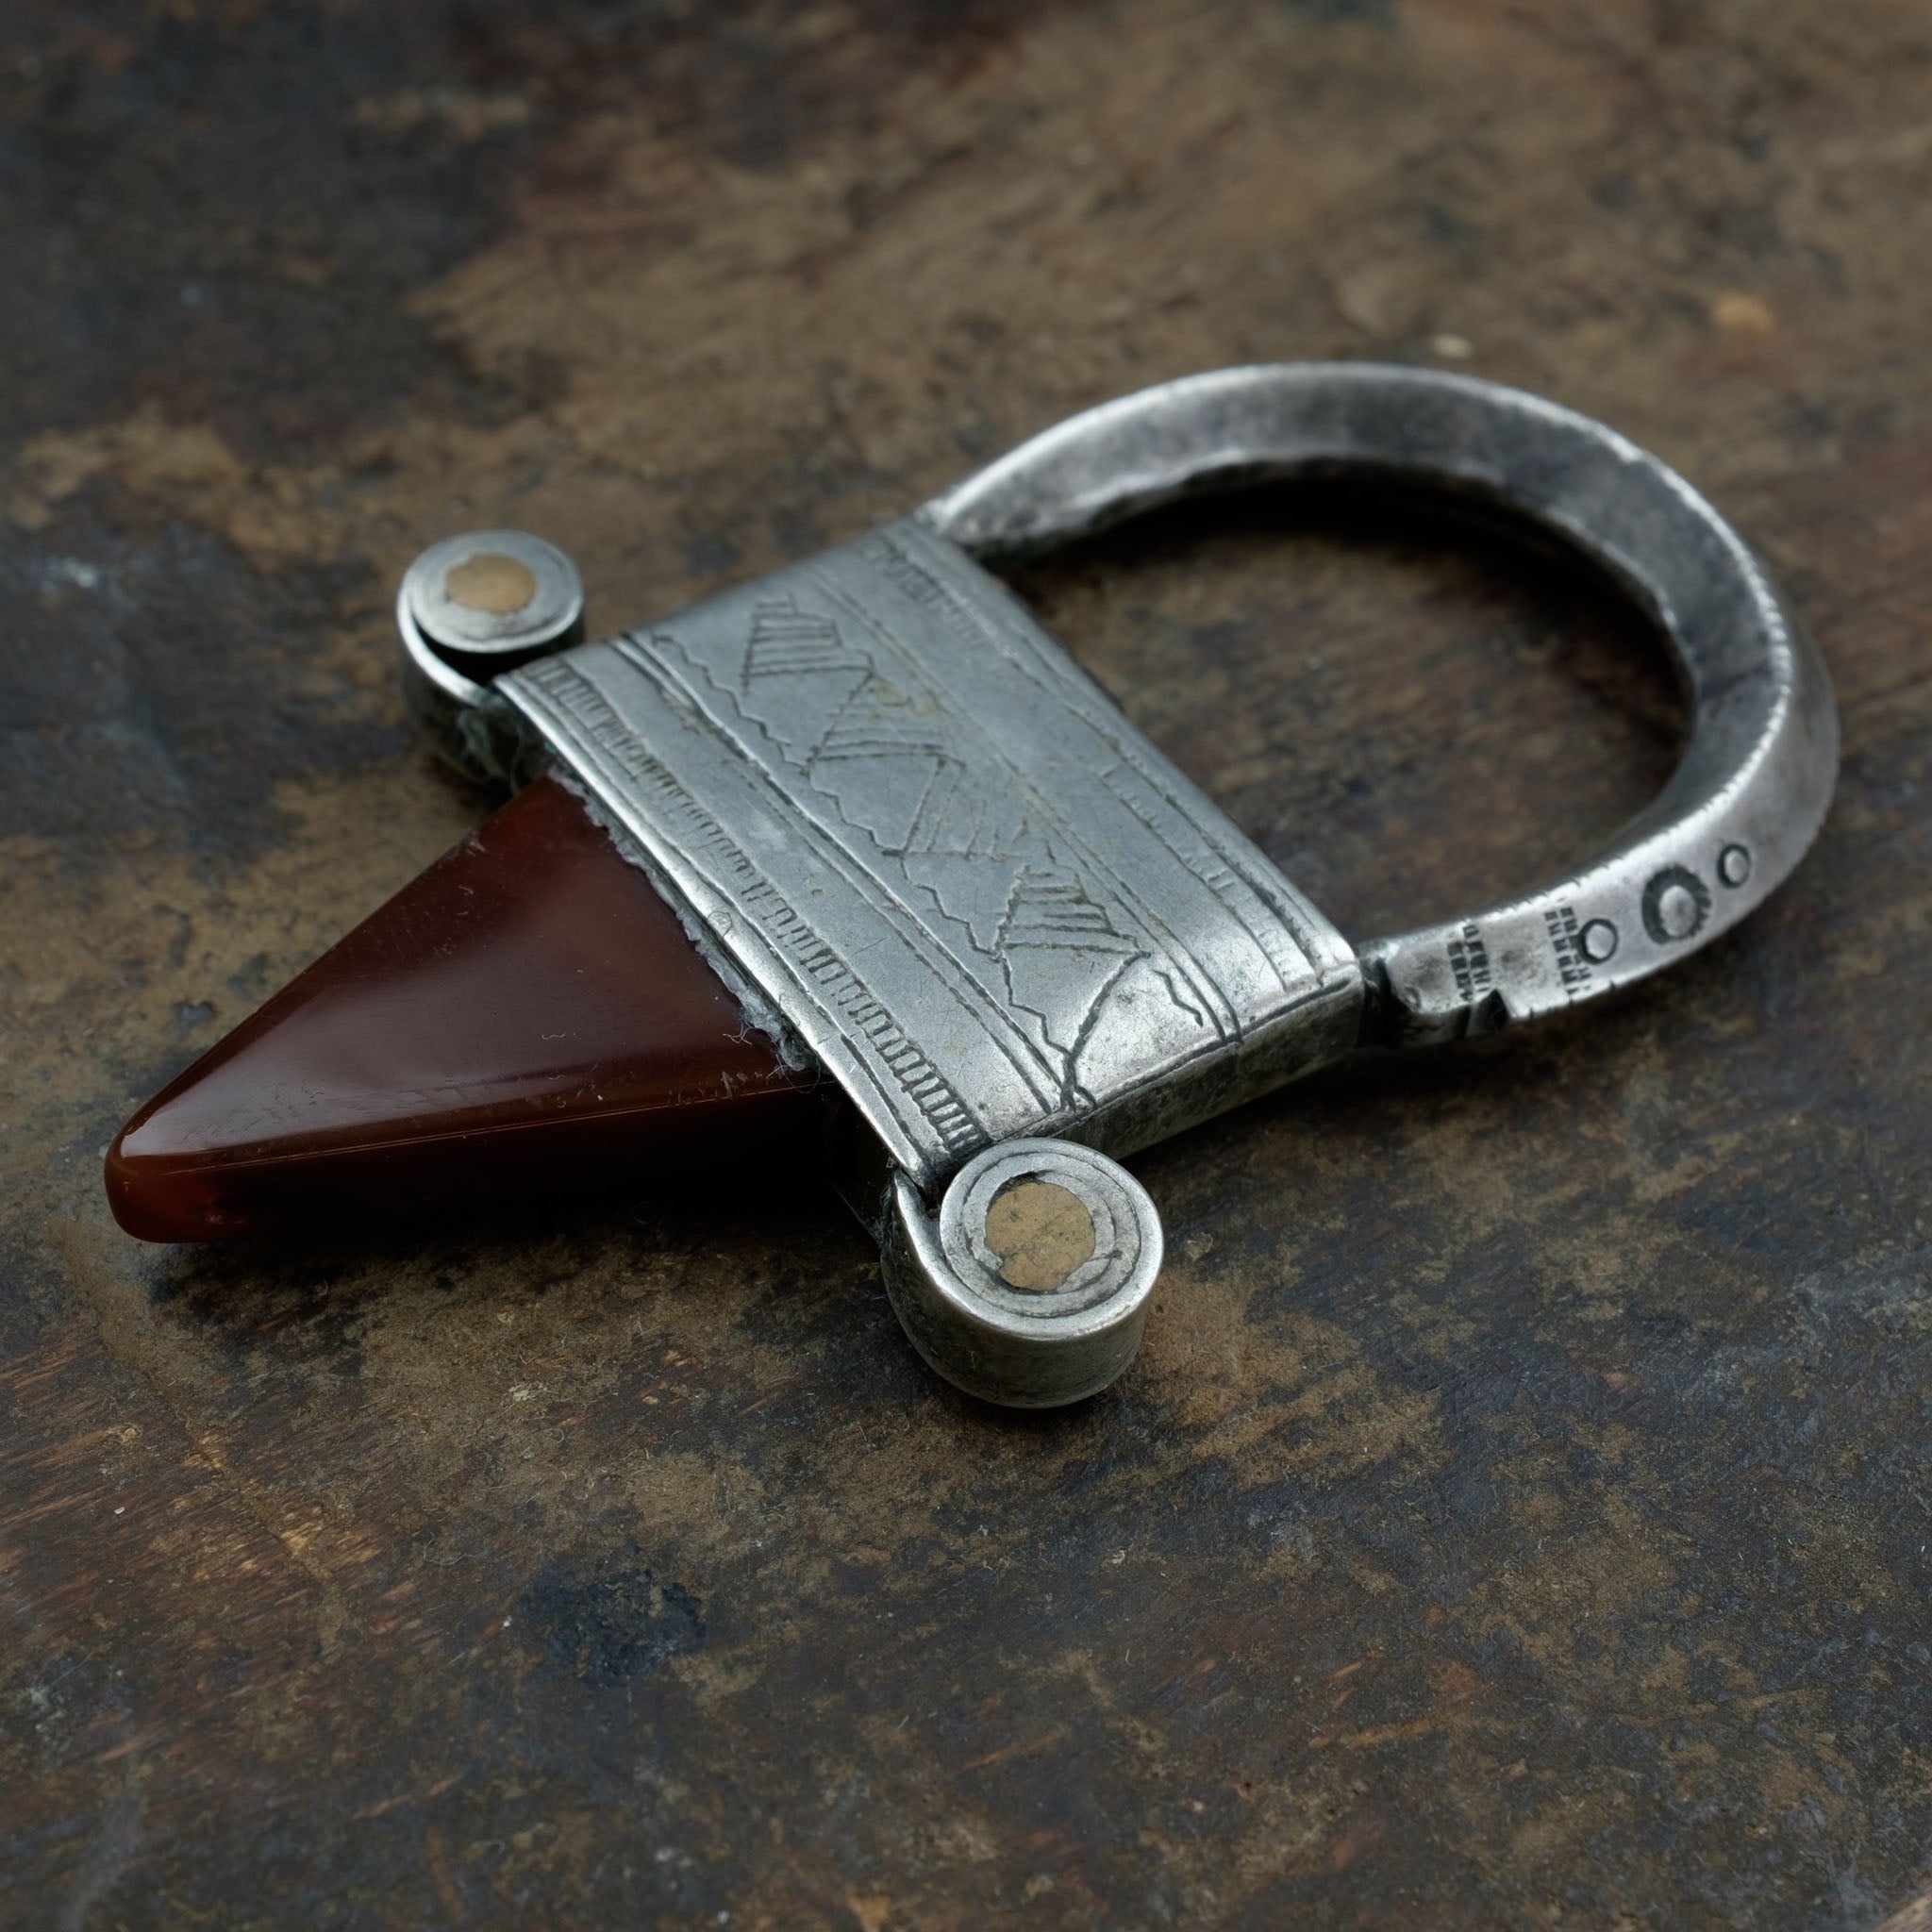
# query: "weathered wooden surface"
1520,1513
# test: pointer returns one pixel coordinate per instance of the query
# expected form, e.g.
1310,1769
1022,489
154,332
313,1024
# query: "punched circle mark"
1675,905
1598,940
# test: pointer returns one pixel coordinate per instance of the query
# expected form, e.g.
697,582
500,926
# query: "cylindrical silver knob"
469,609
1031,1287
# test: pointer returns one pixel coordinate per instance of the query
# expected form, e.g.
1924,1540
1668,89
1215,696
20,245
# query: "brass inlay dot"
491,582
1042,1234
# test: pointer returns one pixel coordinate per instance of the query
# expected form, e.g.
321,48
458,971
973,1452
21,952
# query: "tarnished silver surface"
944,859
1064,1336
469,609
1756,779
926,848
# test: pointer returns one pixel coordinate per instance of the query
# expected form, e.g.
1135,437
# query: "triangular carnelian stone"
526,1015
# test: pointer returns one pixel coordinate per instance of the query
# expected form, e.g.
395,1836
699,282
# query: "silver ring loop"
1756,777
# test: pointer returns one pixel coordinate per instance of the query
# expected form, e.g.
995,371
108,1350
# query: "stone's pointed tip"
524,1017
155,1201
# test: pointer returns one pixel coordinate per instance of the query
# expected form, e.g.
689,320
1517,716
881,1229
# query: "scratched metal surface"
1520,1512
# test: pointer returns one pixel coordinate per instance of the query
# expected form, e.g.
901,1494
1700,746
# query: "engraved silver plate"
911,822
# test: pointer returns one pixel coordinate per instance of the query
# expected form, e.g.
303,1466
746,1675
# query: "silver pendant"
928,853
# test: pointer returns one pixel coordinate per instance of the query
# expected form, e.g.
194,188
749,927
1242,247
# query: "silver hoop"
1756,779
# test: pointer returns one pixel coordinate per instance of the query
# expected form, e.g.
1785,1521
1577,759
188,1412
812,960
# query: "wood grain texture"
1520,1512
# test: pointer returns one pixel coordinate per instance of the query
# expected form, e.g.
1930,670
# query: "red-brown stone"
526,1015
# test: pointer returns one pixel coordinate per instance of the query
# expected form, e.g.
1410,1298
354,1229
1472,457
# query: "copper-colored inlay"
492,583
1041,1233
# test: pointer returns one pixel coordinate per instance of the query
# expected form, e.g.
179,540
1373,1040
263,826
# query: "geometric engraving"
984,901
1675,905
1469,960
1598,940
790,643
819,963
1573,963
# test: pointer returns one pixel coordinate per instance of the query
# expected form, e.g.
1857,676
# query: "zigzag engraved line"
898,564
924,584
579,700
1055,825
885,896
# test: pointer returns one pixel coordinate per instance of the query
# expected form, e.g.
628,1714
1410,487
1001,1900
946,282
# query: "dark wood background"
1520,1512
